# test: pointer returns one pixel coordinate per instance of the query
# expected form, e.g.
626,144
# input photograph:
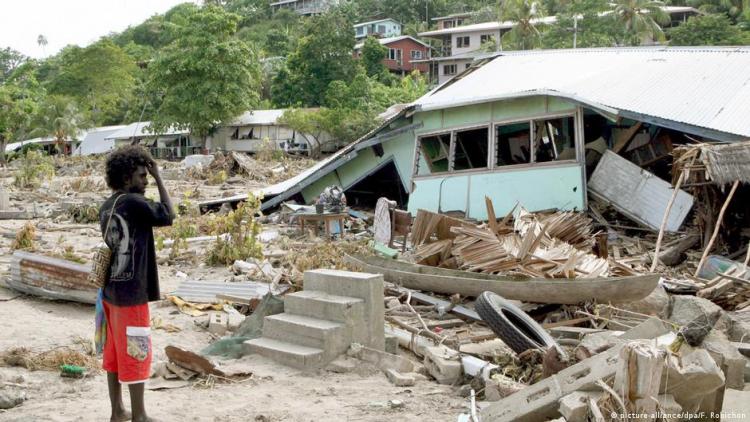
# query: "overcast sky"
66,22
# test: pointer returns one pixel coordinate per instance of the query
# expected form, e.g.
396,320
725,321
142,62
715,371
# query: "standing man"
126,220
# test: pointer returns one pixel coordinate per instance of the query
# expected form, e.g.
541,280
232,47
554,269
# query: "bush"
25,238
242,232
35,168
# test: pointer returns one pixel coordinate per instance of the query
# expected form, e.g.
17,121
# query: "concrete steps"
318,324
289,354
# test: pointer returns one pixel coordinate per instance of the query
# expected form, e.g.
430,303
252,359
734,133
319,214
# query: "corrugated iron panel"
706,87
206,291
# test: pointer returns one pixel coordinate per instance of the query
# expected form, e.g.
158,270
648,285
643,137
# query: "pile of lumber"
730,289
543,245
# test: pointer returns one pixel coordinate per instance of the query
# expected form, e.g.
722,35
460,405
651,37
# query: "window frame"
420,54
455,69
532,134
460,41
397,55
452,150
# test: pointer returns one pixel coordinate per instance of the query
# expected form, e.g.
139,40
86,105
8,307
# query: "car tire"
512,325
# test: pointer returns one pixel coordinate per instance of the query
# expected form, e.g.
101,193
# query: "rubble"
443,364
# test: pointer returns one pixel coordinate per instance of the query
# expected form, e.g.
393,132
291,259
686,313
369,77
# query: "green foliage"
591,29
18,104
10,59
708,30
525,34
639,20
323,55
35,168
242,230
352,109
372,57
25,238
58,116
100,78
206,75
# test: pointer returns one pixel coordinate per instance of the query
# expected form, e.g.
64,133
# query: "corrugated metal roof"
705,87
138,130
95,141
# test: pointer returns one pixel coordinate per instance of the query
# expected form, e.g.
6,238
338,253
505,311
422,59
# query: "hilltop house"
461,44
383,28
404,55
304,7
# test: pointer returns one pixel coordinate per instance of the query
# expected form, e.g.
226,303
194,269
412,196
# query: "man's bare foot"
122,416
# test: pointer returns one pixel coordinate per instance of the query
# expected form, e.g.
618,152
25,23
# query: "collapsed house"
530,127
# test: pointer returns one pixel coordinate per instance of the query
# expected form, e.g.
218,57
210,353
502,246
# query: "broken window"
513,144
436,150
554,139
462,42
471,149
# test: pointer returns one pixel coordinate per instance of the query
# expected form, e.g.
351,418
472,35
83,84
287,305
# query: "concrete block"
668,407
398,379
575,333
498,386
218,323
286,353
332,337
688,308
540,401
380,358
690,376
595,343
368,287
727,357
658,303
575,406
650,328
738,326
639,373
391,344
444,364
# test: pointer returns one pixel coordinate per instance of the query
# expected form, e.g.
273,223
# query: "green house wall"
534,187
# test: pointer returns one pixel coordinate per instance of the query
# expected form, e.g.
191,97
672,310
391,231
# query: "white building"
383,28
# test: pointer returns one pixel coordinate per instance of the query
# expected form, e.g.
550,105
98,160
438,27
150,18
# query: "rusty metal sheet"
53,278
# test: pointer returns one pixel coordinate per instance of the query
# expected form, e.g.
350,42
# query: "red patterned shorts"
127,350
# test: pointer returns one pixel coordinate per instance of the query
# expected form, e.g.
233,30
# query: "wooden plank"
625,137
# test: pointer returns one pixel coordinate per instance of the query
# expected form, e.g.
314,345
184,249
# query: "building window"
416,54
360,30
447,24
554,139
471,149
537,141
467,65
394,54
513,144
449,69
462,42
435,149
484,38
459,22
381,29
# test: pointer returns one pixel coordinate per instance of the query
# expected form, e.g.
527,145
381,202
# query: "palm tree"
640,20
41,40
60,118
524,14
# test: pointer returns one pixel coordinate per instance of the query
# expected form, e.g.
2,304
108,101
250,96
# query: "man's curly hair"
123,162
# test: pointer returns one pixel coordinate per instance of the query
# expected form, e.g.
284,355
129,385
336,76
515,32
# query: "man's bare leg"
119,414
136,402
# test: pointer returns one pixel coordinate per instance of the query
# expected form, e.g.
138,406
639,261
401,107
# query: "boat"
515,287
52,278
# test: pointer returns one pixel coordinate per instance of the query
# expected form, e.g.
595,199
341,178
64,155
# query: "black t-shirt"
133,278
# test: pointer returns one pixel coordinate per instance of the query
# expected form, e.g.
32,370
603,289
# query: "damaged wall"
536,186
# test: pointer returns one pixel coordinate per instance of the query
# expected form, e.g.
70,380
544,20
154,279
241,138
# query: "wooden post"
666,218
716,227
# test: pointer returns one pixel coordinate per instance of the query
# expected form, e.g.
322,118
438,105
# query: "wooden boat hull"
52,278
538,290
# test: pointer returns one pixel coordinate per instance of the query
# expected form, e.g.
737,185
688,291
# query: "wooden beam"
626,137
717,226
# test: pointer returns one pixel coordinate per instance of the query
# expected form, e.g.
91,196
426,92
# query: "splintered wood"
730,289
552,245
